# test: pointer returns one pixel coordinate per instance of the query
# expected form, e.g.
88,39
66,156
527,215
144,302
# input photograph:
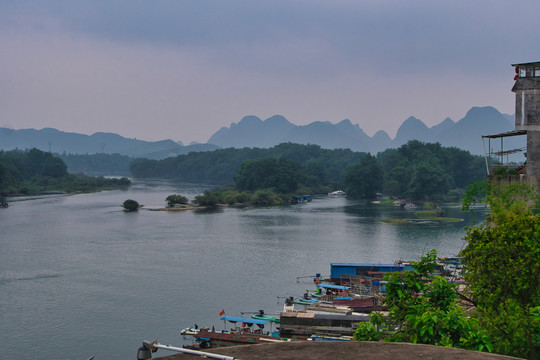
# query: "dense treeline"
320,166
281,174
35,171
421,171
416,170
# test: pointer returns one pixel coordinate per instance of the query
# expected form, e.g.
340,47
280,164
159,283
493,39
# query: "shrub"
176,199
131,205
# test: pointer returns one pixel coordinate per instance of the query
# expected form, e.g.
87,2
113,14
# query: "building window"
529,70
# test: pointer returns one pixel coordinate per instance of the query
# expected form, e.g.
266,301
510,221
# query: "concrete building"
527,89
527,123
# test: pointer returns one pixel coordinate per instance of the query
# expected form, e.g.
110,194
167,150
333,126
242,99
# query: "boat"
262,316
329,338
242,333
306,300
301,199
337,193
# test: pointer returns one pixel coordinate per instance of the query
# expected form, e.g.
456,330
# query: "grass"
421,220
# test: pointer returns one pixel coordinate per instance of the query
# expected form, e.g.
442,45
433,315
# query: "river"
79,277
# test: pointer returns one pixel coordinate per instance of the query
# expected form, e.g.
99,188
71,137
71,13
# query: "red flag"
222,312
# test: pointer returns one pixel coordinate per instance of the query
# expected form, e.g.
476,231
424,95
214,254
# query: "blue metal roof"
367,265
246,320
330,286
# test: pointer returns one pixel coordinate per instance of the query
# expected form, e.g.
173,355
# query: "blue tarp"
245,320
329,286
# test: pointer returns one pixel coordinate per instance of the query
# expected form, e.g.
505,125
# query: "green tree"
265,197
34,161
315,172
9,174
422,309
54,167
429,181
280,174
396,180
427,171
209,198
130,205
502,260
176,199
364,179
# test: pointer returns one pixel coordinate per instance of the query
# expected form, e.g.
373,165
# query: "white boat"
337,193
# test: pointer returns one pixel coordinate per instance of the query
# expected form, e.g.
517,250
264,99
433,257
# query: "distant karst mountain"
251,131
57,141
465,134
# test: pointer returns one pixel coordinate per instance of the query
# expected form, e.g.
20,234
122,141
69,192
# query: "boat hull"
213,339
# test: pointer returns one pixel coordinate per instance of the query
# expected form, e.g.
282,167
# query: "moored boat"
244,331
262,316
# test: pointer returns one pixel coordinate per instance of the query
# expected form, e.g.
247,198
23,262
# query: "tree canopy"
35,171
415,170
502,260
422,309
176,199
364,179
131,205
280,174
502,273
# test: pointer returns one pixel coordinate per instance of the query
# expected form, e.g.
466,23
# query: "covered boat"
243,332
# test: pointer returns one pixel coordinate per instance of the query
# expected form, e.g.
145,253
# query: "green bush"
176,199
131,205
207,199
265,197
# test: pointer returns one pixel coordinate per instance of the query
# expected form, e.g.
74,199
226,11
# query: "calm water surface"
79,277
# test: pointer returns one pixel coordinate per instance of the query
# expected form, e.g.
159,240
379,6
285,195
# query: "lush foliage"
423,171
176,199
282,175
502,259
423,309
502,263
36,171
321,167
230,197
364,179
131,205
415,170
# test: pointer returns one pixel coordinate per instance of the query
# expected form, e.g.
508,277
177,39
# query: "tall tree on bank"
282,175
422,309
429,182
502,261
364,179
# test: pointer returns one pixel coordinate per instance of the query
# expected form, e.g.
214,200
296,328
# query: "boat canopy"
330,286
244,320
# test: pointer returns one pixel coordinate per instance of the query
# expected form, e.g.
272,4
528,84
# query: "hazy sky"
181,70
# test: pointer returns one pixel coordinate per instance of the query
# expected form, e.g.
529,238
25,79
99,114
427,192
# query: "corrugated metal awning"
506,134
330,286
244,320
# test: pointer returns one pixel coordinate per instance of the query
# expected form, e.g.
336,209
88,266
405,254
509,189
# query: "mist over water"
80,277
